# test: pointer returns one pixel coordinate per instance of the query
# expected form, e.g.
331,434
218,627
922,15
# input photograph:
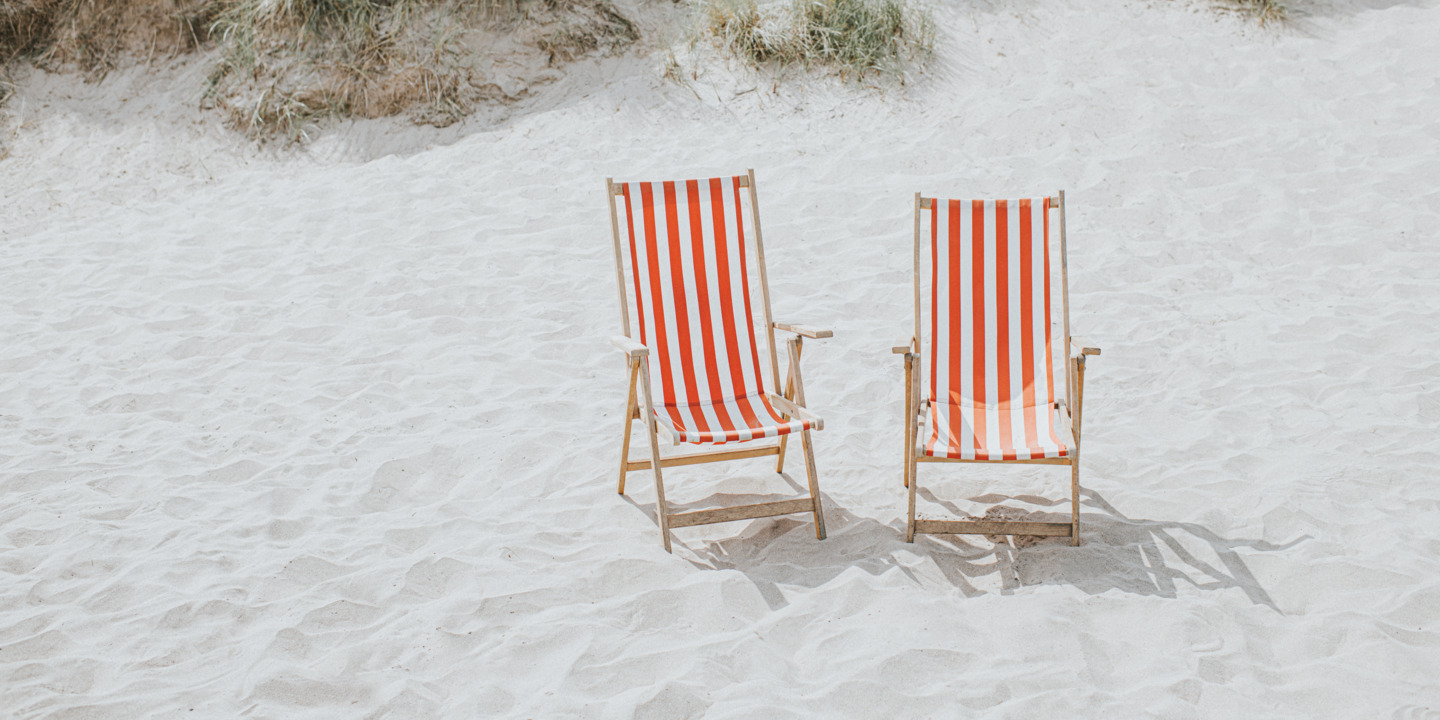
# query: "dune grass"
855,37
290,62
91,35
287,63
1264,11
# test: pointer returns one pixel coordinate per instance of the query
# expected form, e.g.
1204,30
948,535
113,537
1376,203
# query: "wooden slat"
742,512
1065,299
992,527
611,190
706,457
915,270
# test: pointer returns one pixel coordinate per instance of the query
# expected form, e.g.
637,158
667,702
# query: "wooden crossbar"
992,527
617,189
741,512
705,457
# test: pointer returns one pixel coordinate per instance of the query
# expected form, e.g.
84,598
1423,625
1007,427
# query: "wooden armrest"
630,346
1081,346
793,410
904,346
801,330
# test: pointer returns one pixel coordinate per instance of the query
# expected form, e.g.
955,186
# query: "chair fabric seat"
1024,433
748,417
692,299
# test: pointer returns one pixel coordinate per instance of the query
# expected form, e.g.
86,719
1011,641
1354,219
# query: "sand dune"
332,432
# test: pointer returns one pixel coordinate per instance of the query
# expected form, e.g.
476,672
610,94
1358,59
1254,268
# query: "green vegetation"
854,36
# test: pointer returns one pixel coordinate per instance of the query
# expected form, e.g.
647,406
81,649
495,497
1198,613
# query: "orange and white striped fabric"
687,254
992,390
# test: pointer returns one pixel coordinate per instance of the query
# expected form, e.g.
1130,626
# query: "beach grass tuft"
856,37
1265,11
91,35
291,62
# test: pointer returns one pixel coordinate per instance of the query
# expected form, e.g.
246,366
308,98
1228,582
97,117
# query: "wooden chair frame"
1076,350
791,404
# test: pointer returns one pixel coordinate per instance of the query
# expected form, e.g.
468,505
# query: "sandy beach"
332,430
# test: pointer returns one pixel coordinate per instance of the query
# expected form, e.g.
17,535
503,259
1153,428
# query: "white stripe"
992,334
1015,330
940,343
1051,330
966,286
1040,360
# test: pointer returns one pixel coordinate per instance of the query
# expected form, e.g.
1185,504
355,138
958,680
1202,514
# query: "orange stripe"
955,393
1002,326
657,294
977,298
1027,322
682,314
702,294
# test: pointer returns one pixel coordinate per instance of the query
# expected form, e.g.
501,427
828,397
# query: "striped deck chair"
691,282
984,356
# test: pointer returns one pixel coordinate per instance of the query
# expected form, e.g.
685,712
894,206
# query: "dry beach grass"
284,64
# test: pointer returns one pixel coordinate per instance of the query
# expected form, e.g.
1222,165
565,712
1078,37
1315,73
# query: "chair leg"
909,418
662,511
789,395
808,445
1075,500
911,467
629,418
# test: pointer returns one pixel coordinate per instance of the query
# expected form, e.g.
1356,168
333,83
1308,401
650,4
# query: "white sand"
333,433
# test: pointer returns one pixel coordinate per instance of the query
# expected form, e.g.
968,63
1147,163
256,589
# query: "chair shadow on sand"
1116,552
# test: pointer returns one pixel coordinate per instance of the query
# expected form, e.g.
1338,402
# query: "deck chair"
691,284
979,386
